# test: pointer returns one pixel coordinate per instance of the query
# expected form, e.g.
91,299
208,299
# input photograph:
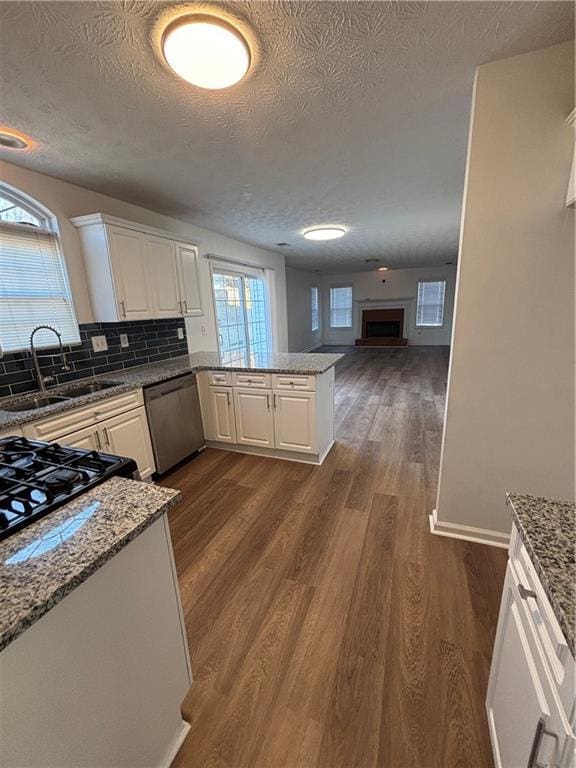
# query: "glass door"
241,317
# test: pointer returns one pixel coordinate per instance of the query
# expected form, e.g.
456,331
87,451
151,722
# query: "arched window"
34,288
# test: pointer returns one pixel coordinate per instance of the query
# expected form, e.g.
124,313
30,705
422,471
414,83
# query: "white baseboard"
175,746
468,532
310,349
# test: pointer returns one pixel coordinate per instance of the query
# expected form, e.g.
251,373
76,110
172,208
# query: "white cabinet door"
222,423
295,421
187,258
163,277
254,417
130,275
128,435
87,439
526,724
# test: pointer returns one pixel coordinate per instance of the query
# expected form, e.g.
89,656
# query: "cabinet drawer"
220,378
546,626
54,427
293,382
252,380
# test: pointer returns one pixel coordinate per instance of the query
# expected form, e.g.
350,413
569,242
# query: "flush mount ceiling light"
10,139
206,51
324,233
382,269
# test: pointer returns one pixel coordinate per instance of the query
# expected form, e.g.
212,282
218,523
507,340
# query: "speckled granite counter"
308,363
548,530
44,562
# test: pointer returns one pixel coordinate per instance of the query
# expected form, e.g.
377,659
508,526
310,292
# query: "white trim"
310,348
174,748
467,532
273,453
104,218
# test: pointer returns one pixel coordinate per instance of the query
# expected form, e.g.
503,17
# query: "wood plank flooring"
327,627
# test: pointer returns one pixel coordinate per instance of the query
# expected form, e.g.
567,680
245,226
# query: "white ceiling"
355,113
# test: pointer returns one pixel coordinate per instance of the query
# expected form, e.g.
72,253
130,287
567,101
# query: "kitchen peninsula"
94,662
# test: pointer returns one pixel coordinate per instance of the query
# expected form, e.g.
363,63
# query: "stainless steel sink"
33,403
87,389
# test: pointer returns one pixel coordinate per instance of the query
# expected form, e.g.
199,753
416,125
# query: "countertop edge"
559,612
36,613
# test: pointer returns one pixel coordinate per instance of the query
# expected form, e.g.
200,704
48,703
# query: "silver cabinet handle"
268,401
535,749
185,306
106,436
526,593
98,443
249,381
123,309
275,401
180,305
228,398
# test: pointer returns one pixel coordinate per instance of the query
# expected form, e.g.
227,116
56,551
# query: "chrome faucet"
41,379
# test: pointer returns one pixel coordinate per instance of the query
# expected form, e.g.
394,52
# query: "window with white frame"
341,306
34,288
430,304
315,307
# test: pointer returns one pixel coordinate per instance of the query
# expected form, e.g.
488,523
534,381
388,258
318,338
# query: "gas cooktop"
38,477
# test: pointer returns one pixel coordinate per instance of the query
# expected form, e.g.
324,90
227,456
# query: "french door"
242,320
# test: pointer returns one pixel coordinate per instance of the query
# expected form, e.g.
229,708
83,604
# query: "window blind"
34,289
341,307
430,305
314,308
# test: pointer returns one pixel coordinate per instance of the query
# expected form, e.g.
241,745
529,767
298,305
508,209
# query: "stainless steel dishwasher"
173,410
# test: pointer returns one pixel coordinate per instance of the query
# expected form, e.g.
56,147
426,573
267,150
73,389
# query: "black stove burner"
38,477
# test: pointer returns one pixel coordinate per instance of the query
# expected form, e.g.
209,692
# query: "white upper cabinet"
128,259
163,275
187,260
137,272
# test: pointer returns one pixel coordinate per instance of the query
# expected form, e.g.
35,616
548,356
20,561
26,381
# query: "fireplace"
382,328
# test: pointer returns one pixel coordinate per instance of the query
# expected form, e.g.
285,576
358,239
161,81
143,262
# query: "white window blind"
341,307
430,306
314,308
34,289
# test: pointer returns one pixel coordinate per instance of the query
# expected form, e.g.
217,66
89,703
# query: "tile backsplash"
148,342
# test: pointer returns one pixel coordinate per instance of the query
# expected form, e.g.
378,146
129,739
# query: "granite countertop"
44,562
305,363
548,530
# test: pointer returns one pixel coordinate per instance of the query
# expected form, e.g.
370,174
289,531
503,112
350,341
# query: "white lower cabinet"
254,417
529,725
295,421
283,416
117,425
88,439
128,435
221,424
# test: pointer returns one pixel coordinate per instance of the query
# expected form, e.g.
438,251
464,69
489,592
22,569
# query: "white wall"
510,410
301,338
68,200
401,286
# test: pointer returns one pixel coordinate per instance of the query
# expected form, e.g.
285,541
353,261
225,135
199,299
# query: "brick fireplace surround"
382,328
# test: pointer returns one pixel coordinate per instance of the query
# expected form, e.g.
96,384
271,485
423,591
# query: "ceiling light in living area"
11,139
382,269
324,233
206,51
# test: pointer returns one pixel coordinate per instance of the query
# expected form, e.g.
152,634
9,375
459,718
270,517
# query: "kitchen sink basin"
33,403
88,389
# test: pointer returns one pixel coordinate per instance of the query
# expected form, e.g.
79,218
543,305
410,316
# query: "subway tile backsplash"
148,342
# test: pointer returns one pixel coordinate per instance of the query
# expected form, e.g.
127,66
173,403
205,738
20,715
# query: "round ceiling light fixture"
10,139
206,51
382,269
324,233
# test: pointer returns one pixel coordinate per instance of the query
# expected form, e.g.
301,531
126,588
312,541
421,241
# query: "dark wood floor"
327,626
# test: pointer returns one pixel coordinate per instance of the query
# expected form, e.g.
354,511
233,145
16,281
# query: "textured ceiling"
355,113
